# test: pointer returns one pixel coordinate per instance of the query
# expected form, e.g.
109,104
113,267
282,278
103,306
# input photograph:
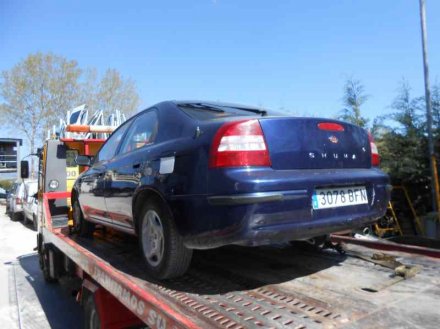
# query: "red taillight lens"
375,159
239,144
17,201
330,126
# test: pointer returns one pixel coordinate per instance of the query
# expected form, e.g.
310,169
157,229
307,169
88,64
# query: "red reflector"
375,158
330,126
239,144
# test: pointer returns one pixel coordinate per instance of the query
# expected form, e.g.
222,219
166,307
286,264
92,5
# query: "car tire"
15,217
35,222
25,220
161,245
82,226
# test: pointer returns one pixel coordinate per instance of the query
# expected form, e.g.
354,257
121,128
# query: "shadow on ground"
55,299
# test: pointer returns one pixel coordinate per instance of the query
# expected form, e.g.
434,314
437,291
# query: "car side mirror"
24,169
84,160
35,196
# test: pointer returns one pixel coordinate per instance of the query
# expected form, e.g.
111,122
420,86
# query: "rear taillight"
17,201
375,159
239,144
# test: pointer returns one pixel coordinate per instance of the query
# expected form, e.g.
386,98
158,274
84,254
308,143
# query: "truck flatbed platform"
270,287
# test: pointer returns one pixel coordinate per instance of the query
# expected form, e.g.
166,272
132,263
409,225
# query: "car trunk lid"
313,143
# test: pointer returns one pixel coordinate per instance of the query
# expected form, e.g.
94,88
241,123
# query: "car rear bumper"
266,234
266,217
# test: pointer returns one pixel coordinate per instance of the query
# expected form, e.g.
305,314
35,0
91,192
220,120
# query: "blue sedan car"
186,175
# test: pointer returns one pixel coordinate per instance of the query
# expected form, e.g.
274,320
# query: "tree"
113,92
405,157
37,92
407,111
403,147
354,98
435,96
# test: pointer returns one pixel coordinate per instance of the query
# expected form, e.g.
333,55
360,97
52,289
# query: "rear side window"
142,132
108,150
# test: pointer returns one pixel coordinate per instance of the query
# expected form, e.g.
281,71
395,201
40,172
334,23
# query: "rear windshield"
211,112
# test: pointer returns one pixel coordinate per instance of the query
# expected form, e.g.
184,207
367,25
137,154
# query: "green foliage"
112,92
38,91
6,184
354,98
435,97
403,147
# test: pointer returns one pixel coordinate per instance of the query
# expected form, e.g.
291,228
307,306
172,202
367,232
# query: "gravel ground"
26,300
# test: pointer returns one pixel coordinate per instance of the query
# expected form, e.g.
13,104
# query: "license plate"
339,197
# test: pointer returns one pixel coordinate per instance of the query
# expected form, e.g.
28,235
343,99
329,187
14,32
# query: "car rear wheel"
82,227
160,243
25,219
35,222
15,216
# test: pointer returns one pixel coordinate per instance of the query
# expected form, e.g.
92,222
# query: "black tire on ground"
25,219
91,315
82,227
15,217
175,258
35,222
44,265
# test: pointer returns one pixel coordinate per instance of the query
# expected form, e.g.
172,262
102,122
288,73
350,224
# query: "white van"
30,202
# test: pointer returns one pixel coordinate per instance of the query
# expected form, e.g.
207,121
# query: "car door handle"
136,165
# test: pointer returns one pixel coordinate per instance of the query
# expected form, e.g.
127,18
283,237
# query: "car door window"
143,132
108,150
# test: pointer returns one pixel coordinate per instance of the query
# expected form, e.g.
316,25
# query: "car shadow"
56,299
28,225
221,270
234,268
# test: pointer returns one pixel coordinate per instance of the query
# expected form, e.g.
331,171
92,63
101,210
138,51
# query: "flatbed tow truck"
363,284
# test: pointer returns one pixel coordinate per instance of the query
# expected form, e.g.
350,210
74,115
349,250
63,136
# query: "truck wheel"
25,220
91,316
45,266
82,227
160,243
